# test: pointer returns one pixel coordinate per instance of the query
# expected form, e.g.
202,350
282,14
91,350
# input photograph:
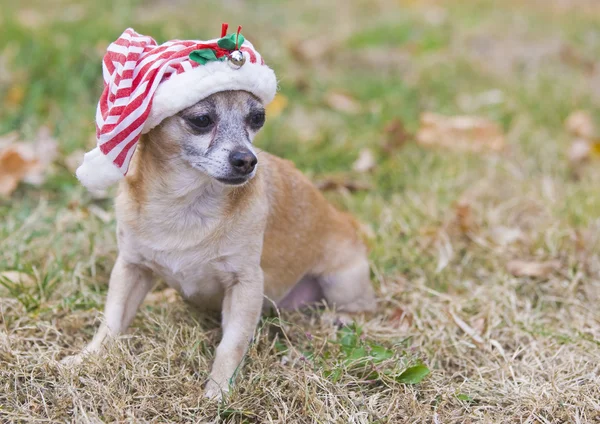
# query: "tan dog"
227,232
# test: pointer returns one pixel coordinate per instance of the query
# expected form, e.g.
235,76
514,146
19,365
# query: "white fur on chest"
191,241
203,270
184,253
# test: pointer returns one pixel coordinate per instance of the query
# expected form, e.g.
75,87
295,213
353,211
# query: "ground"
503,342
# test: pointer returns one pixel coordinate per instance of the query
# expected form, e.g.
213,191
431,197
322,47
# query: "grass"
435,218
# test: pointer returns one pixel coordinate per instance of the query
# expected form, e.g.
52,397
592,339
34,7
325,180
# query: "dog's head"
215,135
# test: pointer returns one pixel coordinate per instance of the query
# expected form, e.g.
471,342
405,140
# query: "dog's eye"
257,119
201,122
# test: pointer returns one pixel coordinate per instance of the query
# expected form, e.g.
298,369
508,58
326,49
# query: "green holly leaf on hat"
229,41
203,56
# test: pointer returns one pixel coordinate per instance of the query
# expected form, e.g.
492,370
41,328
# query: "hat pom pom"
97,172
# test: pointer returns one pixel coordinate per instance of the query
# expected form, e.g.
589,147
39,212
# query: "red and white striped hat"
145,83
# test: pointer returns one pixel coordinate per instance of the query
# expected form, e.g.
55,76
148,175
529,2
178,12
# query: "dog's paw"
72,361
214,391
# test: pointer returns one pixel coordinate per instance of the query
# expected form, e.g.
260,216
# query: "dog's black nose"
243,161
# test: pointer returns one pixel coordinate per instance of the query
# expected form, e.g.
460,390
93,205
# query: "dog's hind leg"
349,288
129,284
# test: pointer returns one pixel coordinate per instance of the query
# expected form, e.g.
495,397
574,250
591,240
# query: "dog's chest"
192,272
201,270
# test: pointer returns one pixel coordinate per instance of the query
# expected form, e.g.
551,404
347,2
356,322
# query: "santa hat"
145,83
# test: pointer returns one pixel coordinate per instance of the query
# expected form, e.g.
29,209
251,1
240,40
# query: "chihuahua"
230,227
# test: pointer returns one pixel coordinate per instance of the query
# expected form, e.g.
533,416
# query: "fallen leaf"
13,168
572,57
342,184
503,236
464,218
30,18
11,281
25,161
520,268
461,133
342,102
401,319
313,49
467,329
365,161
445,252
277,106
585,146
595,149
396,136
16,277
14,96
167,295
581,124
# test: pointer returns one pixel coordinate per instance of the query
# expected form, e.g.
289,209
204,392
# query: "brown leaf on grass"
574,58
504,236
14,96
396,136
25,161
365,162
342,102
313,49
465,220
13,168
30,18
277,106
8,278
445,252
17,277
520,268
585,146
461,133
401,319
581,124
342,183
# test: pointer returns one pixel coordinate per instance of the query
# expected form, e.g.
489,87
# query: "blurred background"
369,95
462,133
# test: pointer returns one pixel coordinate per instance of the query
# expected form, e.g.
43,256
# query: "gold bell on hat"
236,59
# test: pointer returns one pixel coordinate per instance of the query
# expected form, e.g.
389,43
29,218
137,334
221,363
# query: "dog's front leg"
242,306
129,284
